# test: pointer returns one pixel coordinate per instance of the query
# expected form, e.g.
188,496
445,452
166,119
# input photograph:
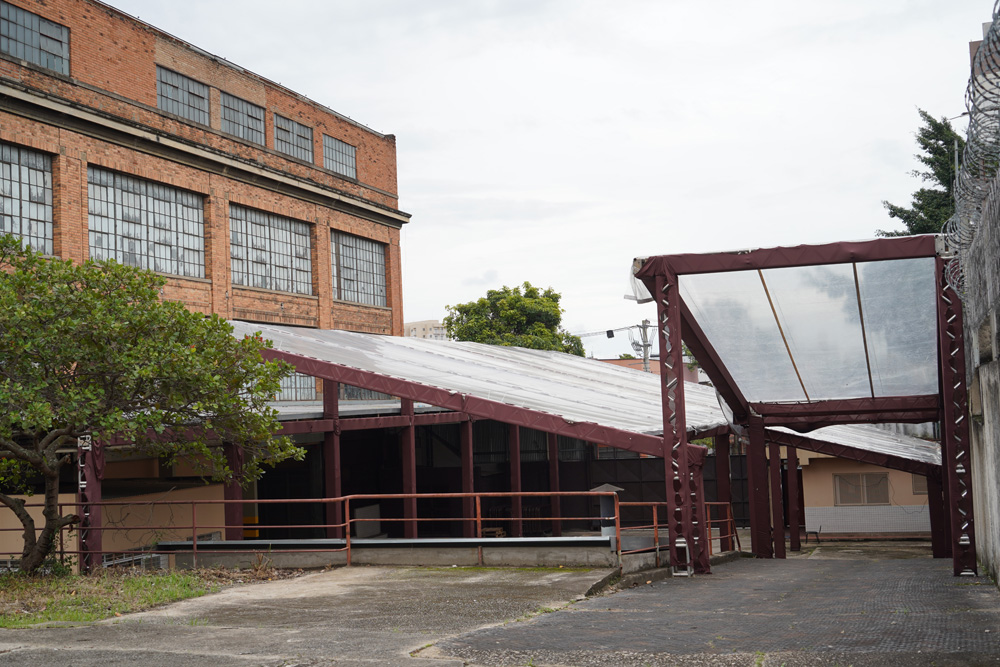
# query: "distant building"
431,329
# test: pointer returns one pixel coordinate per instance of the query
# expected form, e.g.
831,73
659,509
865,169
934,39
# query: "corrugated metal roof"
574,388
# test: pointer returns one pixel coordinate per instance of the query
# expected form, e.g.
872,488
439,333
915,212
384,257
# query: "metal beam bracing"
956,459
463,403
675,455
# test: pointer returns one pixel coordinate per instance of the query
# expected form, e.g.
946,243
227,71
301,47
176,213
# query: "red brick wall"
113,72
113,62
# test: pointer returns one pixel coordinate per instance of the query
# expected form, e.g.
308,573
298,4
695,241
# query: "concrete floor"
840,603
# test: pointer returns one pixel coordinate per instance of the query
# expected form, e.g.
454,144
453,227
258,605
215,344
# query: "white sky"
554,140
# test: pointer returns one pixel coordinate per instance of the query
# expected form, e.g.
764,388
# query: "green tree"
91,349
515,316
931,206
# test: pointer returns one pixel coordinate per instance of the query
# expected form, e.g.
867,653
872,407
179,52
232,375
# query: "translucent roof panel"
812,332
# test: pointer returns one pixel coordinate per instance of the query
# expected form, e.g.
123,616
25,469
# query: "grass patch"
28,600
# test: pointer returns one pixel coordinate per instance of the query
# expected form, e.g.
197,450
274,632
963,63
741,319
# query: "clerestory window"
269,251
34,39
358,269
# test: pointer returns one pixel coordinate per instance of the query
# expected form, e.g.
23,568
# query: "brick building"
121,141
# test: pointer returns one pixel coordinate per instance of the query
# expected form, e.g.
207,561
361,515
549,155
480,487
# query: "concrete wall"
982,344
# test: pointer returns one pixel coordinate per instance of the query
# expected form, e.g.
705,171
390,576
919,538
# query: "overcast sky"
554,140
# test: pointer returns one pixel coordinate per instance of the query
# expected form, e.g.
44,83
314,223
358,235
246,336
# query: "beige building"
431,329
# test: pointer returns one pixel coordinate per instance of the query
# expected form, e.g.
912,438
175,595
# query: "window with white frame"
145,224
869,488
297,387
34,39
242,119
26,196
292,138
181,96
358,269
339,157
269,251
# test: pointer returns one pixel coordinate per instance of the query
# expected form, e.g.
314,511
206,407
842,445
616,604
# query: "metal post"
233,491
702,530
956,459
940,542
723,485
795,540
777,507
675,454
408,443
514,441
332,480
90,472
760,522
468,478
555,504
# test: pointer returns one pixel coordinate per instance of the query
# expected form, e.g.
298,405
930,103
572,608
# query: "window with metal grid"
269,251
26,196
181,96
358,269
293,138
242,119
34,39
145,224
297,387
339,157
861,489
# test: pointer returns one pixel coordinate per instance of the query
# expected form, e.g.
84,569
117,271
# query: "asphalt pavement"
832,605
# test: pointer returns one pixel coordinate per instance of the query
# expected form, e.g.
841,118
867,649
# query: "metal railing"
190,523
722,529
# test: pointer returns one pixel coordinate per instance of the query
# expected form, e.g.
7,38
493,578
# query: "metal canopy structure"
808,337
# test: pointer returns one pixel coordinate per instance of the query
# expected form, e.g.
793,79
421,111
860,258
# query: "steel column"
956,459
90,474
760,520
792,475
777,508
940,542
675,451
332,480
468,479
408,444
514,442
723,484
702,531
556,506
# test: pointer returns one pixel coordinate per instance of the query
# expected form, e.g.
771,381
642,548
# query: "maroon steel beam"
804,424
834,407
777,510
332,480
468,478
906,247
940,542
713,366
715,431
702,531
556,509
955,427
90,464
792,475
723,483
514,443
675,450
233,490
850,453
760,520
477,407
408,444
